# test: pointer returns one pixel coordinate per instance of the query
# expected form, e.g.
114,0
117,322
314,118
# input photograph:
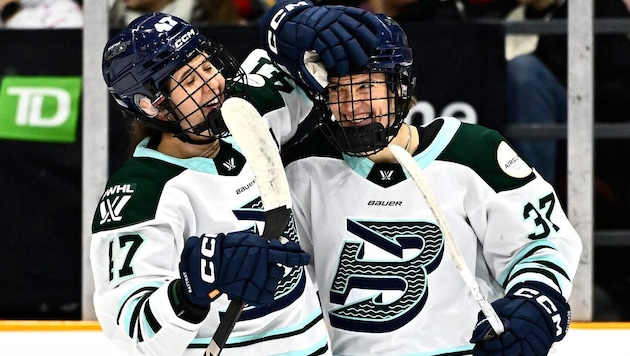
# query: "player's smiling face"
359,99
196,89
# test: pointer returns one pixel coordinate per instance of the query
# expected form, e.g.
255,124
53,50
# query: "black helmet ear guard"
140,60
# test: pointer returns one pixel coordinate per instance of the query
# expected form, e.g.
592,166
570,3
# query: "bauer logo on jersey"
113,201
511,163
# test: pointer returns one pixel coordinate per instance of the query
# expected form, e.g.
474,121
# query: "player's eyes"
189,80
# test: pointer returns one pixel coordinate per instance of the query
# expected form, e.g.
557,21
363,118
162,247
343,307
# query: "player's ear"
144,104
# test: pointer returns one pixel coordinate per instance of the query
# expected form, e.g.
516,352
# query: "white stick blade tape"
255,140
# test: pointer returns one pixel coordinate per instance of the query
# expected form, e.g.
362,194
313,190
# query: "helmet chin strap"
214,124
369,138
185,138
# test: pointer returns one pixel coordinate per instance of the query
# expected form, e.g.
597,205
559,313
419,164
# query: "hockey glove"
307,41
241,264
534,315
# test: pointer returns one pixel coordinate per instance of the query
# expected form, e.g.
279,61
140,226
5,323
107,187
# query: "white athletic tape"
255,140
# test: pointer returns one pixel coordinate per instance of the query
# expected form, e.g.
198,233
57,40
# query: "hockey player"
175,234
386,284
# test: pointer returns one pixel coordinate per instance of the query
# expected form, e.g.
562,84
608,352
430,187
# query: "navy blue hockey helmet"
138,61
392,54
393,57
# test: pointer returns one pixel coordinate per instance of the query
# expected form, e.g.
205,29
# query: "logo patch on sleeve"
511,163
113,201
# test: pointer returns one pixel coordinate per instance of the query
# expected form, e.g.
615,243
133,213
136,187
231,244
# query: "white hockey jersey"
155,202
387,284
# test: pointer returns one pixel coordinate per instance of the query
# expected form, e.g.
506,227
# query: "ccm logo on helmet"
544,302
184,38
275,21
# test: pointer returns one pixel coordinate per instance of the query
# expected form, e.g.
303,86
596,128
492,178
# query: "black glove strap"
183,308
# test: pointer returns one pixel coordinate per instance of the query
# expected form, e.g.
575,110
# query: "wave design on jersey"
291,286
401,273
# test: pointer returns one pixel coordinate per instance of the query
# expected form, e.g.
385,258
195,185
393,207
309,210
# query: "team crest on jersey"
511,163
113,201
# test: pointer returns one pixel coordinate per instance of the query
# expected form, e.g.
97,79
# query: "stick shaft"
410,165
220,336
259,148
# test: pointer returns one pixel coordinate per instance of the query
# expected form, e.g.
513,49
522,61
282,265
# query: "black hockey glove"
300,37
535,316
241,264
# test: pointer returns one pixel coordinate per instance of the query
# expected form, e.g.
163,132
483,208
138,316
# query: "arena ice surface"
582,339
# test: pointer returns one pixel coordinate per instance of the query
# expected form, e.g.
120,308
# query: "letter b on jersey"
40,108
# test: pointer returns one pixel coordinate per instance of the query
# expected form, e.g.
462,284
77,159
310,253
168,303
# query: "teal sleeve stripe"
455,351
150,325
131,303
235,342
126,322
293,329
134,316
139,289
533,274
550,263
525,253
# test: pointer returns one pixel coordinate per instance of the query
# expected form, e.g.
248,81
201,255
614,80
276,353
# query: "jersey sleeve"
523,230
284,105
134,268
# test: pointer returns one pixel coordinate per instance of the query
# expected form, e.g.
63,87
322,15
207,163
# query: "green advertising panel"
40,108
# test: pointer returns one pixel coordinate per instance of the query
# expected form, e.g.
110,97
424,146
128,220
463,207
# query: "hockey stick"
411,166
259,148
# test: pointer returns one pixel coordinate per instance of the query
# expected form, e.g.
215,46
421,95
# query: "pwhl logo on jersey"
40,108
229,164
113,201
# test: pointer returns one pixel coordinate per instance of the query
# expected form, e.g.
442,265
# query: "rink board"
79,338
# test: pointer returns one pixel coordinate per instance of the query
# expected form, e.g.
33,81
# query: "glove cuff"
183,307
536,286
549,301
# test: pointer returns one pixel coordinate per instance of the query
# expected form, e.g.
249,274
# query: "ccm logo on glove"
275,22
207,267
535,316
544,302
241,264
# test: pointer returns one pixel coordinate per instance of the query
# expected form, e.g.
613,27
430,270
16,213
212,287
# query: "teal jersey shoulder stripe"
439,143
